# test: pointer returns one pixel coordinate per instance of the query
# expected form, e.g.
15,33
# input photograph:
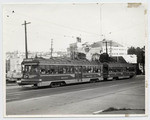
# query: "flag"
78,39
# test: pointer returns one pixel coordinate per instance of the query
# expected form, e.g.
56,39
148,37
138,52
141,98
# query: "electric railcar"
59,71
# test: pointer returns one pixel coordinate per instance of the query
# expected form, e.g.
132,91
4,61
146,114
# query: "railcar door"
105,71
78,73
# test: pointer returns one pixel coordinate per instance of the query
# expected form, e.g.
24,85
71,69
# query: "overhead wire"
56,24
74,29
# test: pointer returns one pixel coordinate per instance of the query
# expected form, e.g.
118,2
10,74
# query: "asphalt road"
87,98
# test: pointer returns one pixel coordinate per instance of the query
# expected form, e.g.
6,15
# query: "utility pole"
51,48
110,48
26,47
104,41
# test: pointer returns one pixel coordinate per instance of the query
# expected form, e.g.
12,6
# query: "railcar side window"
47,69
76,69
110,70
71,69
99,69
96,69
67,69
52,69
80,68
89,69
105,68
30,68
127,69
60,69
23,68
34,69
131,69
124,69
42,69
119,69
84,69
64,70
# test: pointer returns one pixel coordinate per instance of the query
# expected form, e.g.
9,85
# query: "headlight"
26,76
18,81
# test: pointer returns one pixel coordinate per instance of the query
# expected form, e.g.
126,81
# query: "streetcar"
55,72
117,70
59,71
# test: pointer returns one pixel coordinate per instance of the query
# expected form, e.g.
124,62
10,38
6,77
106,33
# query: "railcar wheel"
52,85
35,86
94,80
58,84
62,83
116,78
55,84
131,76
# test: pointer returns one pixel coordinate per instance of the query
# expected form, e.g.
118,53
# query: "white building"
15,64
113,49
130,58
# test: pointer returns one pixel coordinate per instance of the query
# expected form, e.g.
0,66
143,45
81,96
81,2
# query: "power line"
75,28
63,26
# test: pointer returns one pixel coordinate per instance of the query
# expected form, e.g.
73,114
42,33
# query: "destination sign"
30,63
28,60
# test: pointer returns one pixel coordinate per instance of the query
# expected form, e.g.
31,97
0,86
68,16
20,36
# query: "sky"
63,22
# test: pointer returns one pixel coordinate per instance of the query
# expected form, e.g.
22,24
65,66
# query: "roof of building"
118,59
101,43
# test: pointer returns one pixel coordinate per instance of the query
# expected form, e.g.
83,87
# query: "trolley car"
60,71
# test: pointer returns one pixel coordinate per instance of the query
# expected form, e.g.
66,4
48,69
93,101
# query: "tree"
143,59
140,52
104,57
81,56
131,50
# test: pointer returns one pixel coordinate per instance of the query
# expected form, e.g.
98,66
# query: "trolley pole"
26,47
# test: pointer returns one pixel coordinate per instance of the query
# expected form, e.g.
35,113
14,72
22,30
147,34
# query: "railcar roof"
68,61
63,61
120,65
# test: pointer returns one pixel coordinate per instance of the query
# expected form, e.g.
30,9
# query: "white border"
2,106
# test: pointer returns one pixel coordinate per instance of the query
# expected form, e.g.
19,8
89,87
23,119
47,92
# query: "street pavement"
81,99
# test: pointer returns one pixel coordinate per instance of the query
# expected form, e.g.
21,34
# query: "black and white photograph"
75,59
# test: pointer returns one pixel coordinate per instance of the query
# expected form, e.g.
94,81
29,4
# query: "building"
7,65
15,64
14,59
94,50
113,48
72,50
